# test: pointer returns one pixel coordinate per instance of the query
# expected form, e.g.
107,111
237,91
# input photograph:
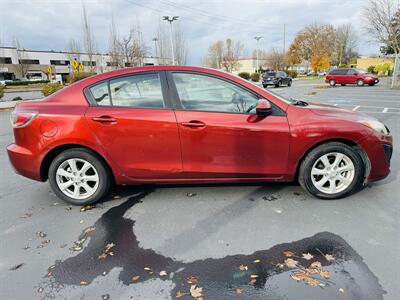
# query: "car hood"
336,112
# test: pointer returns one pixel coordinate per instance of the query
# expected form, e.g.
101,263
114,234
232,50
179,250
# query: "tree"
73,48
180,45
382,21
89,42
23,61
345,44
132,48
275,59
231,54
163,46
214,55
113,46
320,61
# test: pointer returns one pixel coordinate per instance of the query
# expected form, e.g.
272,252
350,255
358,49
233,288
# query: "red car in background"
345,76
171,124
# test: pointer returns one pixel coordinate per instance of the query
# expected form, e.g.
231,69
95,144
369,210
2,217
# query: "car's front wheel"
289,83
79,177
332,82
360,82
331,171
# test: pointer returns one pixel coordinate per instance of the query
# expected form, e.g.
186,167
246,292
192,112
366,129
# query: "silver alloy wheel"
77,178
332,173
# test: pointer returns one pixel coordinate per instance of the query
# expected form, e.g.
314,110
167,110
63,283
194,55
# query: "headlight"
375,125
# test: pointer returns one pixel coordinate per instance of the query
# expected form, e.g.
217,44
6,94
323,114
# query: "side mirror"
263,108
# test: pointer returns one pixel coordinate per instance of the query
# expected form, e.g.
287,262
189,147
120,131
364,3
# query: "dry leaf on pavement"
291,263
195,291
163,273
308,256
316,264
135,278
243,268
341,290
288,253
329,257
238,290
192,279
87,207
256,261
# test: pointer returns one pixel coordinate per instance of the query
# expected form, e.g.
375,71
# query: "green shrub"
244,75
51,88
383,69
2,87
255,77
292,73
25,82
371,69
74,77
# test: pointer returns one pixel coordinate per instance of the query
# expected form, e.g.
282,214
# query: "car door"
284,78
135,125
221,137
351,76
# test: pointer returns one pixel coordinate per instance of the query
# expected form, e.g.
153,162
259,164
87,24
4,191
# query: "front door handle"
194,124
104,119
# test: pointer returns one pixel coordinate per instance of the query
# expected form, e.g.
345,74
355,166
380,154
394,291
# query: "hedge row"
25,82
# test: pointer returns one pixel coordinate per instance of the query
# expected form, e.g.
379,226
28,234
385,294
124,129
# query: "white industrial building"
34,64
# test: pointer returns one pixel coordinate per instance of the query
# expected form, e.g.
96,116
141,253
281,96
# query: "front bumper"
24,162
372,81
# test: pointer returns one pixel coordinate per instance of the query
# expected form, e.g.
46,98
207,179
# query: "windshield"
361,71
269,74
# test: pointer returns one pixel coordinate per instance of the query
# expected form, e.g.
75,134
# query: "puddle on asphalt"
263,274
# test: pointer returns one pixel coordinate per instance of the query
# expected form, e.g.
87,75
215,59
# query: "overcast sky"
48,24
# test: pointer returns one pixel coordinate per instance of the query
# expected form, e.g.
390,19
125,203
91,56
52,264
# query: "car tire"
332,82
78,176
343,84
278,84
265,86
360,82
325,182
289,83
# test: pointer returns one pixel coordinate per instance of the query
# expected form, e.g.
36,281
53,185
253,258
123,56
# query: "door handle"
194,124
104,119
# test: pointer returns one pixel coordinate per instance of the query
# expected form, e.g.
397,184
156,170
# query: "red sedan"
169,124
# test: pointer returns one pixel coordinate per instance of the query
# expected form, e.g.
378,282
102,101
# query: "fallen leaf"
341,290
109,246
87,207
41,234
179,294
89,229
256,261
308,256
294,277
299,275
40,290
49,274
238,290
253,281
253,276
288,253
316,264
325,274
146,269
102,256
81,222
191,194
68,208
192,279
312,281
321,285
291,263
16,267
163,273
329,257
105,297
243,268
83,282
135,278
195,291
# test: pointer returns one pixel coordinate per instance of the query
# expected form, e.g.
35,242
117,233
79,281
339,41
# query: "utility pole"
257,38
155,45
171,19
284,38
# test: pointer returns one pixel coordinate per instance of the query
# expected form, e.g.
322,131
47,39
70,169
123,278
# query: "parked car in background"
180,124
322,73
276,78
311,73
345,76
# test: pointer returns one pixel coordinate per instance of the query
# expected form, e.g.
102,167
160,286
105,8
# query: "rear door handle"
194,124
104,119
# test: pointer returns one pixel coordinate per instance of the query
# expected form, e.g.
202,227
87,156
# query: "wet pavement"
230,241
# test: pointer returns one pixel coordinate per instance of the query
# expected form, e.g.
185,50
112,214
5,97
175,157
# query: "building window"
60,62
112,64
5,60
88,63
29,61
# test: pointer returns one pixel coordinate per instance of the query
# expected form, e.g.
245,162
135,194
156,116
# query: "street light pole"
171,19
257,38
155,45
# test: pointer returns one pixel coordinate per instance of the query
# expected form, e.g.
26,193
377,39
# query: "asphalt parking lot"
233,241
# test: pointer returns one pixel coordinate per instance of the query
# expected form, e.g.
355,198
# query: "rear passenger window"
141,91
100,94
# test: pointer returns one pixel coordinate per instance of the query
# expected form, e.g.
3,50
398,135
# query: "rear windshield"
270,73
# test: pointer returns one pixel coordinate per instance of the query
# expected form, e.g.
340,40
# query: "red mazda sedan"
170,124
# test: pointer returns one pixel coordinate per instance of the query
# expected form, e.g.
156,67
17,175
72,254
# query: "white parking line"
355,108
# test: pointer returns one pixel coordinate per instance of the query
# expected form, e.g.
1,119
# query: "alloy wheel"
77,178
332,173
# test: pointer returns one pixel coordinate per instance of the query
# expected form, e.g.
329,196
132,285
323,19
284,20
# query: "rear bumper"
24,162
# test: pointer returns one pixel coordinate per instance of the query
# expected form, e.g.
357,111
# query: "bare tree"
114,47
180,47
231,55
132,48
214,55
89,43
23,61
382,22
73,48
163,48
345,44
275,59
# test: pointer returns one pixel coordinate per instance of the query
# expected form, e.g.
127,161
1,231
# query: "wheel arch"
49,157
357,147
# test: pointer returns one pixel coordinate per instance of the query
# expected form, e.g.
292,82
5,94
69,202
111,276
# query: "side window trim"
165,90
176,102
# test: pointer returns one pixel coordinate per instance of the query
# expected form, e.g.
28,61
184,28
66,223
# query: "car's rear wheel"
289,83
79,177
278,84
342,84
331,171
360,82
332,82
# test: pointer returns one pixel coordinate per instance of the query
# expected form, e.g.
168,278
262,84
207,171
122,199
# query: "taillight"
22,118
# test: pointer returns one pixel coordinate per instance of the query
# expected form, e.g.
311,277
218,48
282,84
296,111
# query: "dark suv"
345,76
277,79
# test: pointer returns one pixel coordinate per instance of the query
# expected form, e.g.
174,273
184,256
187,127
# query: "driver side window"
206,93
